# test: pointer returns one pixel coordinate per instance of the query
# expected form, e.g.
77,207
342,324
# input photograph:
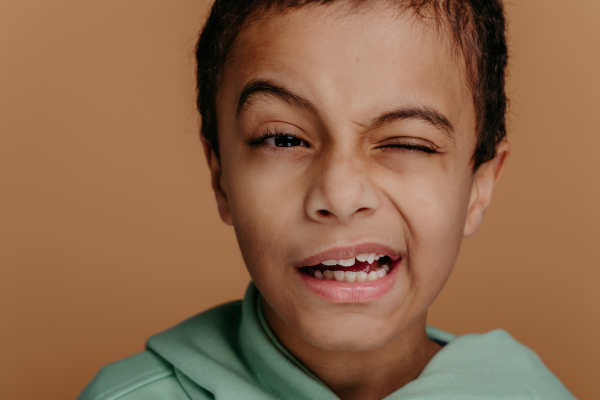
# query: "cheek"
437,217
434,211
266,202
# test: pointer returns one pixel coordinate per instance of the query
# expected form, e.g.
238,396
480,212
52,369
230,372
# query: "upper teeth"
350,262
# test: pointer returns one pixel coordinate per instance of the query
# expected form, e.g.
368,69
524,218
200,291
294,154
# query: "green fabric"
229,352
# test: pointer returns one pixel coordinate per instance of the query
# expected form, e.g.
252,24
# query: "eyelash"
268,134
259,141
411,147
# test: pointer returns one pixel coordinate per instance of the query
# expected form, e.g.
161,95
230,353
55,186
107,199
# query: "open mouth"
362,268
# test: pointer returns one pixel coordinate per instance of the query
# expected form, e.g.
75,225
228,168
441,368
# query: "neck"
368,375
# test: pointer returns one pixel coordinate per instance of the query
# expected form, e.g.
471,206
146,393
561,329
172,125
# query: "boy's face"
377,130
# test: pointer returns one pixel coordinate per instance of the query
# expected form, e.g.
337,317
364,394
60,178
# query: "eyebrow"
424,113
262,88
256,89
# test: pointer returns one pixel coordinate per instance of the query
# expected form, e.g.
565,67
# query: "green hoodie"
229,352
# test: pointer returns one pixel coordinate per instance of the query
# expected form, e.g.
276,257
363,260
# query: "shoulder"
149,375
117,380
497,352
492,365
142,376
122,379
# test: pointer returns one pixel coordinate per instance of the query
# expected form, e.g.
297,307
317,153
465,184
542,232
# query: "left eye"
412,147
285,141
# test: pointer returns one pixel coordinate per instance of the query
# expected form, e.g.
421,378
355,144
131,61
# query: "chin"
353,333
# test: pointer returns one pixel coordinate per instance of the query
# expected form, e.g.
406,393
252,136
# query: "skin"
348,181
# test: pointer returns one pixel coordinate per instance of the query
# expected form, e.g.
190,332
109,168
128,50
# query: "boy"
351,144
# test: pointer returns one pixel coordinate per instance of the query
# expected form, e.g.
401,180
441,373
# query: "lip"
344,253
344,292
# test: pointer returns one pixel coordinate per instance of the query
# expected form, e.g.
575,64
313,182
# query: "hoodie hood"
231,352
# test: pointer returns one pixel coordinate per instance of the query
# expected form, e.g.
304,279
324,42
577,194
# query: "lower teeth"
351,276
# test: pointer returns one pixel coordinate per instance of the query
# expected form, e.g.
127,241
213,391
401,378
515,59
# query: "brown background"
108,227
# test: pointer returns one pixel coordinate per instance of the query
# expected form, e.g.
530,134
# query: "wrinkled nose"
340,191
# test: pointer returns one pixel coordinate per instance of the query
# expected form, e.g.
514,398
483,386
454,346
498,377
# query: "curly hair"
478,33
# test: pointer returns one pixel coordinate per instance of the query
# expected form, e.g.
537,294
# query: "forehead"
353,62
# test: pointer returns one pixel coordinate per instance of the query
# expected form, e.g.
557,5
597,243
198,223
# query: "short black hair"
477,26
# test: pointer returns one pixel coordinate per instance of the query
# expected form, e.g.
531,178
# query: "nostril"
362,209
324,213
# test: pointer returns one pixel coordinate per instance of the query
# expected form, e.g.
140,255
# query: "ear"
485,180
216,177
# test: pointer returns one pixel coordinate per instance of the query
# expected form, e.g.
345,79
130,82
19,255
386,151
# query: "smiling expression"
341,134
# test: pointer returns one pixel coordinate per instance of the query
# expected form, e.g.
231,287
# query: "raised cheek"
428,212
266,201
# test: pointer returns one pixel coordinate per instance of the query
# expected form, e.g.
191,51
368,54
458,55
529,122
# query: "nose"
341,190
